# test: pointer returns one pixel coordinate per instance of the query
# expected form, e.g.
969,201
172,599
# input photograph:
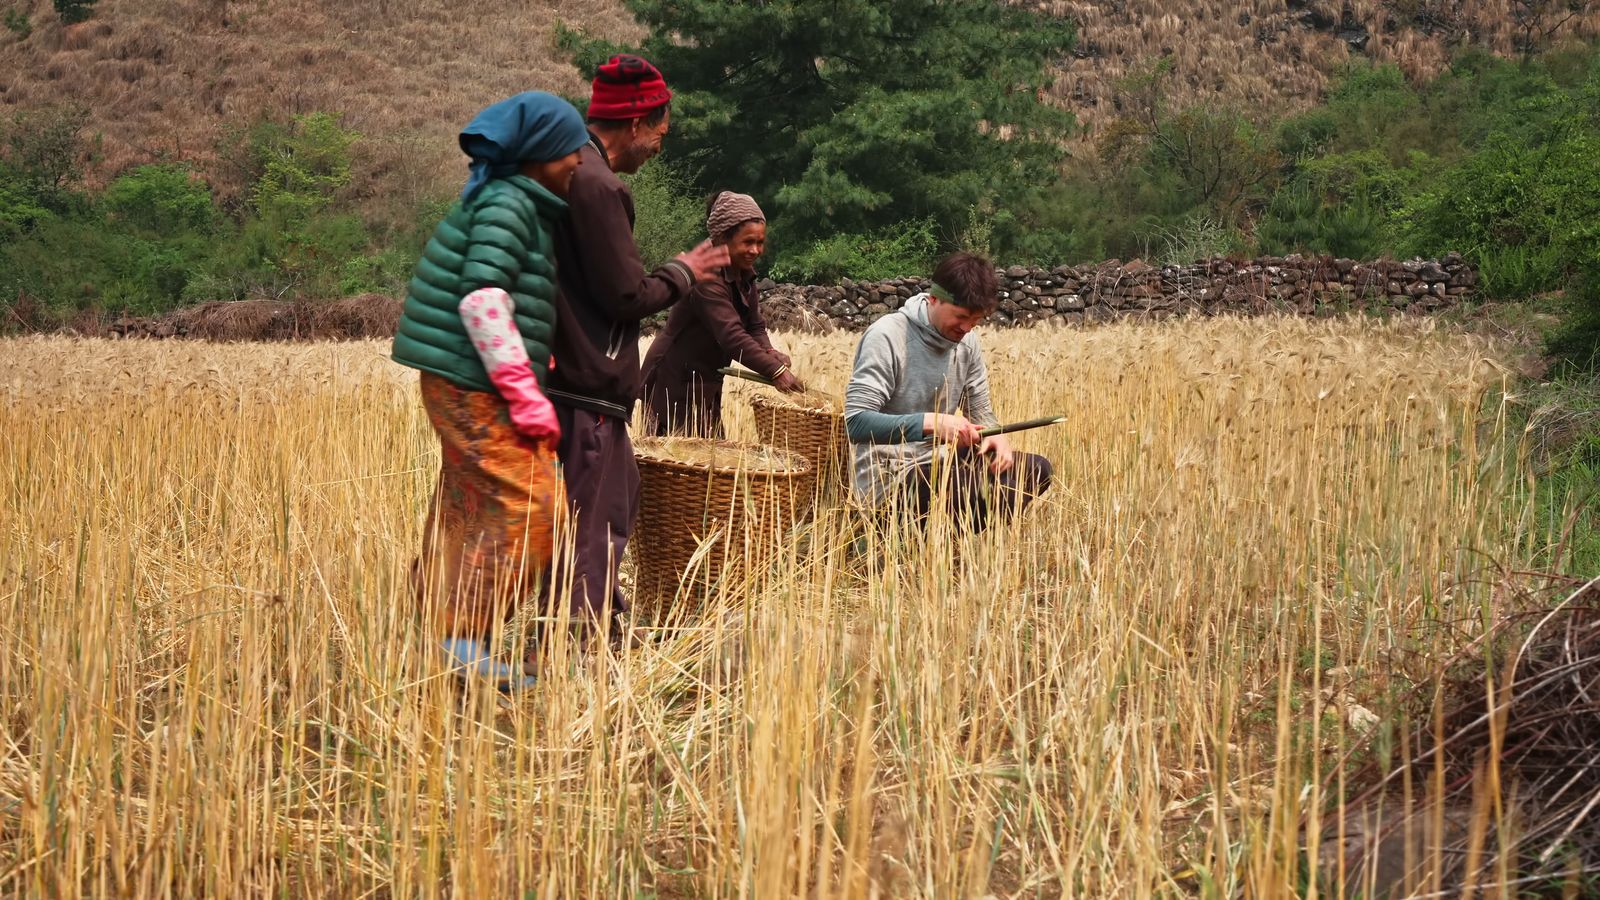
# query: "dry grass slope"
162,79
1259,55
213,682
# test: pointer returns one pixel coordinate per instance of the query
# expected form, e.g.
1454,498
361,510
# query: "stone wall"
1111,290
1069,295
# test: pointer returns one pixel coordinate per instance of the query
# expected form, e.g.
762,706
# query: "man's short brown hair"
969,280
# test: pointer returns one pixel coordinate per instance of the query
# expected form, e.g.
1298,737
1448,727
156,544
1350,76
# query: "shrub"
162,199
299,167
668,220
73,11
44,150
20,208
907,249
18,23
1198,237
1527,213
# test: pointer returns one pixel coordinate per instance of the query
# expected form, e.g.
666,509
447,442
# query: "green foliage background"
879,134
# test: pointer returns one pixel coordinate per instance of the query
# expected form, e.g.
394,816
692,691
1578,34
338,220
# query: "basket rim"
798,465
767,398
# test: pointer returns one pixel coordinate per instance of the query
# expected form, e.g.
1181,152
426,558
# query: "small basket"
810,424
743,497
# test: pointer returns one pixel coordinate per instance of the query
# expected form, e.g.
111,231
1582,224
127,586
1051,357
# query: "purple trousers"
602,483
971,493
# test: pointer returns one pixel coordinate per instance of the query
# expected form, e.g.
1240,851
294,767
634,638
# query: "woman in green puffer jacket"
477,323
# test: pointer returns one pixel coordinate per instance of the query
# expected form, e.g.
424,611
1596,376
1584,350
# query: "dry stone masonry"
1069,295
1075,295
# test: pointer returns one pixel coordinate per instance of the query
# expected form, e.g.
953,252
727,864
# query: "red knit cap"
627,87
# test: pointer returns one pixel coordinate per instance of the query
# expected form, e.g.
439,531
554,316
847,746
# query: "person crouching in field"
916,372
477,321
718,323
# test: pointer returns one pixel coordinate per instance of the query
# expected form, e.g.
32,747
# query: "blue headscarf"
532,125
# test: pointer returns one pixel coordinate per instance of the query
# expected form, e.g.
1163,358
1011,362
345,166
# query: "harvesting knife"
747,375
1021,426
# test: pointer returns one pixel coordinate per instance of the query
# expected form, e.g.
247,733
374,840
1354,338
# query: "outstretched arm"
600,218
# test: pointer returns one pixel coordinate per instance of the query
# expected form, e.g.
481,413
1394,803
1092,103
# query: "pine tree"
854,115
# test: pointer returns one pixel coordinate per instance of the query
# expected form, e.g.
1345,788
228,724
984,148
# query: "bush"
1198,237
44,151
162,199
18,23
668,220
298,168
20,209
73,11
1528,213
907,249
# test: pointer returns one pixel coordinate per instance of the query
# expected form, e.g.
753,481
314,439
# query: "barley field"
1261,532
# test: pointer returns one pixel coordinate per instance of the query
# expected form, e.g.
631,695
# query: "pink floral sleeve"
487,315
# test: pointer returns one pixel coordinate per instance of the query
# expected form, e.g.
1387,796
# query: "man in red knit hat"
605,293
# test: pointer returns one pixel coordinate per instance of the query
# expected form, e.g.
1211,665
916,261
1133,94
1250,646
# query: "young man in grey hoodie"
918,381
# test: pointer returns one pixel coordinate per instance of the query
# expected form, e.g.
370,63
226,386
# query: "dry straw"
214,684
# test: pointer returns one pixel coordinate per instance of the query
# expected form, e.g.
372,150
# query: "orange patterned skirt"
487,542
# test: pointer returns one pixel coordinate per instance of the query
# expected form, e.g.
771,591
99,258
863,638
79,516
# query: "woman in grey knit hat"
718,323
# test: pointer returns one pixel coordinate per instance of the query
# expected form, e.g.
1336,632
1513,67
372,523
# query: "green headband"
940,293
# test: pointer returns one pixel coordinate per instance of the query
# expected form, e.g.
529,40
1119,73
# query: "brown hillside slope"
162,79
1272,56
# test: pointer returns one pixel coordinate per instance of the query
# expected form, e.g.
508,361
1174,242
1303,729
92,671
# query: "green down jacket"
500,237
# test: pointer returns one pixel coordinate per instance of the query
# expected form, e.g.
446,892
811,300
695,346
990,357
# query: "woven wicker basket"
743,496
810,424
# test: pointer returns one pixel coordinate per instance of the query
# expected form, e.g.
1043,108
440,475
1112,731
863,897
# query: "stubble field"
1261,534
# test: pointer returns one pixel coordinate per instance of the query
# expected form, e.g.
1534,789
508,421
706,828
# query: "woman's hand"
487,315
787,383
531,412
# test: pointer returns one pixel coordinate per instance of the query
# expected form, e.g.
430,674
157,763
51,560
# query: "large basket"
810,424
709,511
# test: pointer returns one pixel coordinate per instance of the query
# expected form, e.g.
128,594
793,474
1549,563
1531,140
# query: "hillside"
1276,56
163,80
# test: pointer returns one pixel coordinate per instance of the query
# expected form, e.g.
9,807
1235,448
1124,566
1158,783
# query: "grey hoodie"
904,368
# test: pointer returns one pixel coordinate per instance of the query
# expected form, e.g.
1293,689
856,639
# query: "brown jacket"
605,292
719,323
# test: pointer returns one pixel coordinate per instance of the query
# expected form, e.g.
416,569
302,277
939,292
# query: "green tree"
299,167
73,11
161,199
668,219
855,115
1222,162
44,149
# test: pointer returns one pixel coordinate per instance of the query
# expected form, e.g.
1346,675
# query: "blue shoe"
470,657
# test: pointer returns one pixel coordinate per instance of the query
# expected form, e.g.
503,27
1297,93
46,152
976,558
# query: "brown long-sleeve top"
605,292
720,322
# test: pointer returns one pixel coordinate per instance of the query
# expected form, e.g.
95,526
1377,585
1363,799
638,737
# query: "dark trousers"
970,492
602,483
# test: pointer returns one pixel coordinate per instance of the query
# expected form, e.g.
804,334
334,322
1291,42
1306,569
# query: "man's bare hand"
950,428
787,383
704,260
1004,456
